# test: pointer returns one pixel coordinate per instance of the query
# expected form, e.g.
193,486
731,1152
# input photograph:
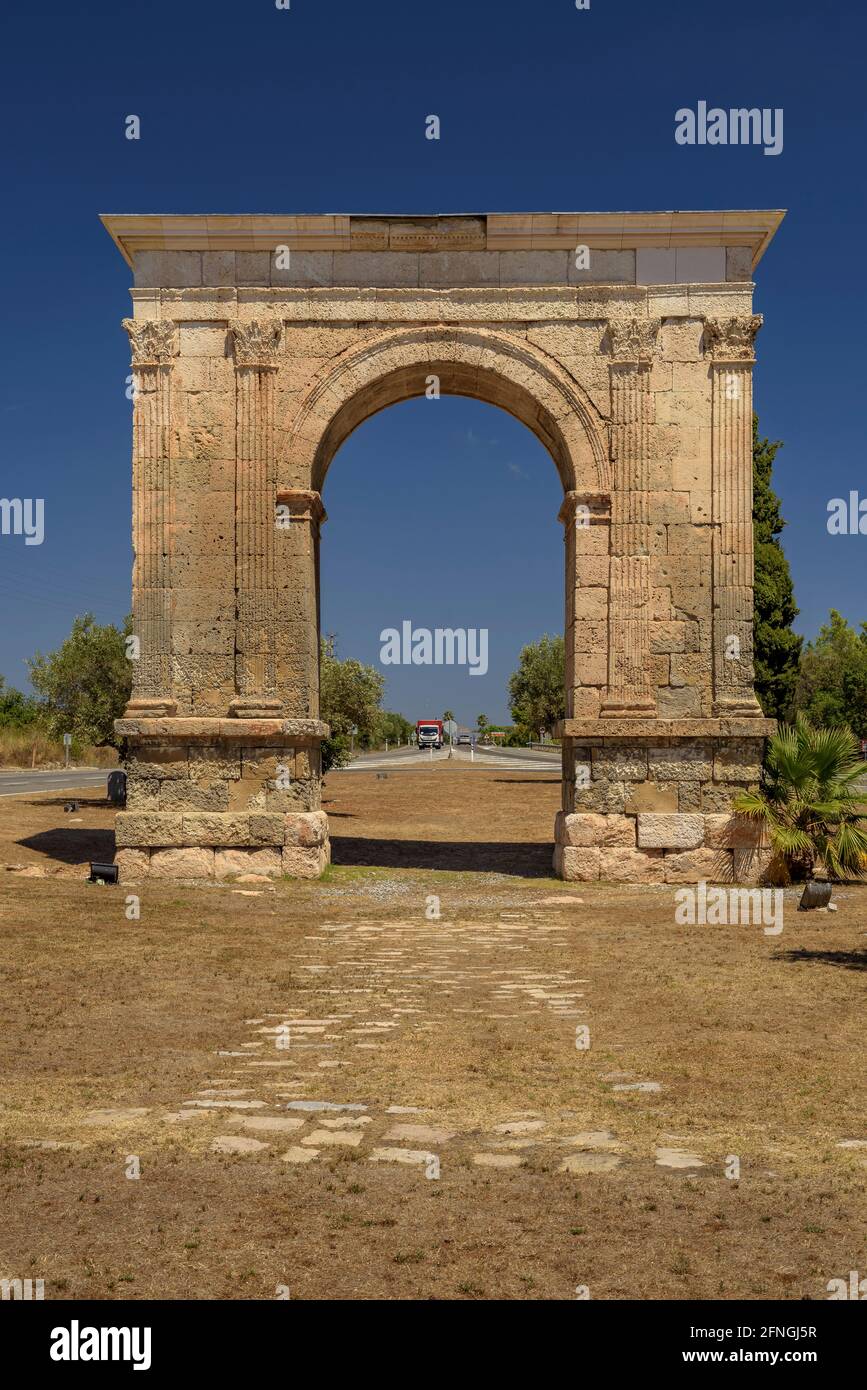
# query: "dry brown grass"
32,747
756,1042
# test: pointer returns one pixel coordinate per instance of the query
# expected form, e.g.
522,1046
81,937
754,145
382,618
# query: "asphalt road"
407,759
67,779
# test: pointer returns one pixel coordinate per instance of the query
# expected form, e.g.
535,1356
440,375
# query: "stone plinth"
213,797
662,791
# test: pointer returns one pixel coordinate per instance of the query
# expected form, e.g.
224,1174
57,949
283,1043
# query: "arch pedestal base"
212,798
650,801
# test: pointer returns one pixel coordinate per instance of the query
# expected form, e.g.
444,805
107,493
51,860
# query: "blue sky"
321,108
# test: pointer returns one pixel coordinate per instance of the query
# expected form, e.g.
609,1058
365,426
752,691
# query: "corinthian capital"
153,342
733,340
632,339
257,342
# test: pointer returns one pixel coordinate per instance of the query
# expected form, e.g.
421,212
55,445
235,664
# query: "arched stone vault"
635,372
476,362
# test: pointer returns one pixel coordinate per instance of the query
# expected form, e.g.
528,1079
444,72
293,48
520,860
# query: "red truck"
429,733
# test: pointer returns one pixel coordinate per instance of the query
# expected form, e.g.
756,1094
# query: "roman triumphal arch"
624,341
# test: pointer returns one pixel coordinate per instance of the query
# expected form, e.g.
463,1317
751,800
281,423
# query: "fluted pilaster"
730,344
633,343
256,349
153,345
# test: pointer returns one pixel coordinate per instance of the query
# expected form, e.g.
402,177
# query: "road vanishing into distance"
409,759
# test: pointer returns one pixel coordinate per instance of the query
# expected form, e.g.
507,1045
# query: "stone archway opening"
442,522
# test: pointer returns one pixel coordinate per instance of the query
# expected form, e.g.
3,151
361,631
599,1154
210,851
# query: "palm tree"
809,801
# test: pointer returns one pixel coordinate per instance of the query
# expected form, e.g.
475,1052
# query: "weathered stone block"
132,864
631,865
680,703
689,796
583,829
738,761
140,828
176,795
585,701
715,865
732,832
668,637
219,762
670,831
143,794
218,268
623,764
266,828
175,268
648,796
693,668
294,798
686,539
739,263
181,863
155,763
304,268
369,270
228,862
534,268
577,864
591,668
230,829
202,340
690,762
305,830
253,267
591,570
448,268
716,797
591,603
606,267
301,862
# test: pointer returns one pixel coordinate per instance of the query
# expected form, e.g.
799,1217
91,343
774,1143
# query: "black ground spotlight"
103,873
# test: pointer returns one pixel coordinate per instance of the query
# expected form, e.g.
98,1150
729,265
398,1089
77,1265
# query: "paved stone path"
297,1086
293,1086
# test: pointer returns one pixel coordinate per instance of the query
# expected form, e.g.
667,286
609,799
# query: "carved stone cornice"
633,339
732,339
153,342
257,342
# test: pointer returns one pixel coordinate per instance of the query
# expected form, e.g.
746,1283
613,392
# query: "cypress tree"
777,648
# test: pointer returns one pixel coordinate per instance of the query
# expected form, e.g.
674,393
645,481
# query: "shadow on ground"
71,845
537,781
523,860
90,803
849,960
